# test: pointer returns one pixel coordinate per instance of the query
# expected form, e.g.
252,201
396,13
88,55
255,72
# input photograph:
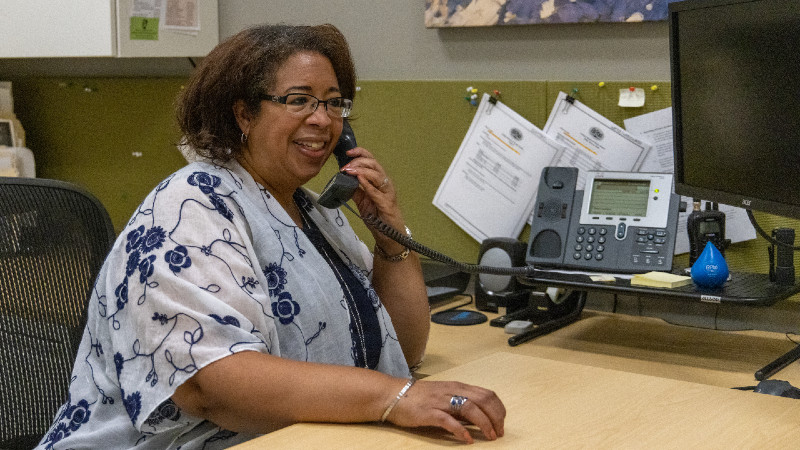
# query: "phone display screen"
619,197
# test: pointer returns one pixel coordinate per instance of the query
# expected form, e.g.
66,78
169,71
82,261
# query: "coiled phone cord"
403,239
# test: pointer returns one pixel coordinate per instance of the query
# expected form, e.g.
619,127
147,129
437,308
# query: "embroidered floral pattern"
78,414
276,278
178,259
227,320
70,419
133,405
207,184
285,308
165,411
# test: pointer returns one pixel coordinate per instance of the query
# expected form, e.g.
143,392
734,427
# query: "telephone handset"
623,222
341,187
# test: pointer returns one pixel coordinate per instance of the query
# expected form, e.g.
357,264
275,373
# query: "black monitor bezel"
681,186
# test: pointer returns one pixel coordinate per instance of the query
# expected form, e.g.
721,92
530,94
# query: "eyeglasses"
306,104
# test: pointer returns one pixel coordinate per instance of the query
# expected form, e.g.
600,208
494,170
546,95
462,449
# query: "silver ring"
456,403
385,182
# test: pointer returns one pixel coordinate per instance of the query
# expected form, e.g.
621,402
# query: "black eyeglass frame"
346,109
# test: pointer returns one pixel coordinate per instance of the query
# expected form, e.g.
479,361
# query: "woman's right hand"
427,403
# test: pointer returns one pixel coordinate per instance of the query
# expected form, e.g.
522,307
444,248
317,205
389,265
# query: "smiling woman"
233,303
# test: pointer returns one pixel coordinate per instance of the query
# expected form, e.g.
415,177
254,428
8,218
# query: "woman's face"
284,150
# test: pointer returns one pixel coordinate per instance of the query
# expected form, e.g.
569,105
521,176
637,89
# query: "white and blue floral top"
209,265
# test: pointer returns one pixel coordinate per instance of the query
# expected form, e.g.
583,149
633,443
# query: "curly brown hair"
241,68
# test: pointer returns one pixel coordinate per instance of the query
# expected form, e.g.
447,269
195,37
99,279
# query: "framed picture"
7,137
484,13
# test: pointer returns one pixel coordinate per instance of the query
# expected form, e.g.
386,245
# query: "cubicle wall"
116,137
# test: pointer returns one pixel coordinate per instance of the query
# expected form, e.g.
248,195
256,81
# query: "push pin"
632,89
654,87
472,96
601,84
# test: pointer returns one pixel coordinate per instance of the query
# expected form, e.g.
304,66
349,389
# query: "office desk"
557,404
643,345
608,380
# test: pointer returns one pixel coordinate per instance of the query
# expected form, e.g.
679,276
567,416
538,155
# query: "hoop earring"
243,138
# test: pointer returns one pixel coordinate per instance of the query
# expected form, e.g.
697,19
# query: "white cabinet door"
44,28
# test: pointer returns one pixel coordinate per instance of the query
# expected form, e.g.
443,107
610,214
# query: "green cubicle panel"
116,137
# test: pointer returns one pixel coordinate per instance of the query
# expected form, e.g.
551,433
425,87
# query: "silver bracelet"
402,394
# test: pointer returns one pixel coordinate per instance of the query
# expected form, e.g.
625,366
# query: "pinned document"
592,141
490,188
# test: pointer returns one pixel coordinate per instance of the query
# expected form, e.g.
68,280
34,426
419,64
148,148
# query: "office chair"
54,236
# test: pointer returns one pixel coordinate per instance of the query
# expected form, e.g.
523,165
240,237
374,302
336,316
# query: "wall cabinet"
81,28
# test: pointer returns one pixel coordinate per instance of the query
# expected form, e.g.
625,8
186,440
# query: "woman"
232,303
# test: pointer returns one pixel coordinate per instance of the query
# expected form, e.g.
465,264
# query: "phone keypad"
590,243
648,247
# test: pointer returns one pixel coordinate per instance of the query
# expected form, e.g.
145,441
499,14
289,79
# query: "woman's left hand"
376,195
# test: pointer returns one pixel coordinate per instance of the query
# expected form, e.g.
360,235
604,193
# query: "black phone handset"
341,187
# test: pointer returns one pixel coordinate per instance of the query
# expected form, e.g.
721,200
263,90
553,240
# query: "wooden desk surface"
557,404
608,380
642,345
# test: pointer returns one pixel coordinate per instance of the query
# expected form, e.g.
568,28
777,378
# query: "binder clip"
494,97
570,99
493,101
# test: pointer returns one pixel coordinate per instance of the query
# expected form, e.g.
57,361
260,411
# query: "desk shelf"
742,288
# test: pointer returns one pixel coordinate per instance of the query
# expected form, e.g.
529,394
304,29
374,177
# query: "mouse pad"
458,317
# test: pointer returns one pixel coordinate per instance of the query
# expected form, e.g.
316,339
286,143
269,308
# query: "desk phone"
623,222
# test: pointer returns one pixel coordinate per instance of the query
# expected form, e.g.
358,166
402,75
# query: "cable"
403,239
459,305
764,234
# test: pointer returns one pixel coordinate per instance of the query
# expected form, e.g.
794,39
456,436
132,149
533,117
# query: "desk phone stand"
545,314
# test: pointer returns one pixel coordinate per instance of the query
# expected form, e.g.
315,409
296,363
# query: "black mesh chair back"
54,236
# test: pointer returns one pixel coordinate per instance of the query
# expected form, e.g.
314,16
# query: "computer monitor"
735,67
